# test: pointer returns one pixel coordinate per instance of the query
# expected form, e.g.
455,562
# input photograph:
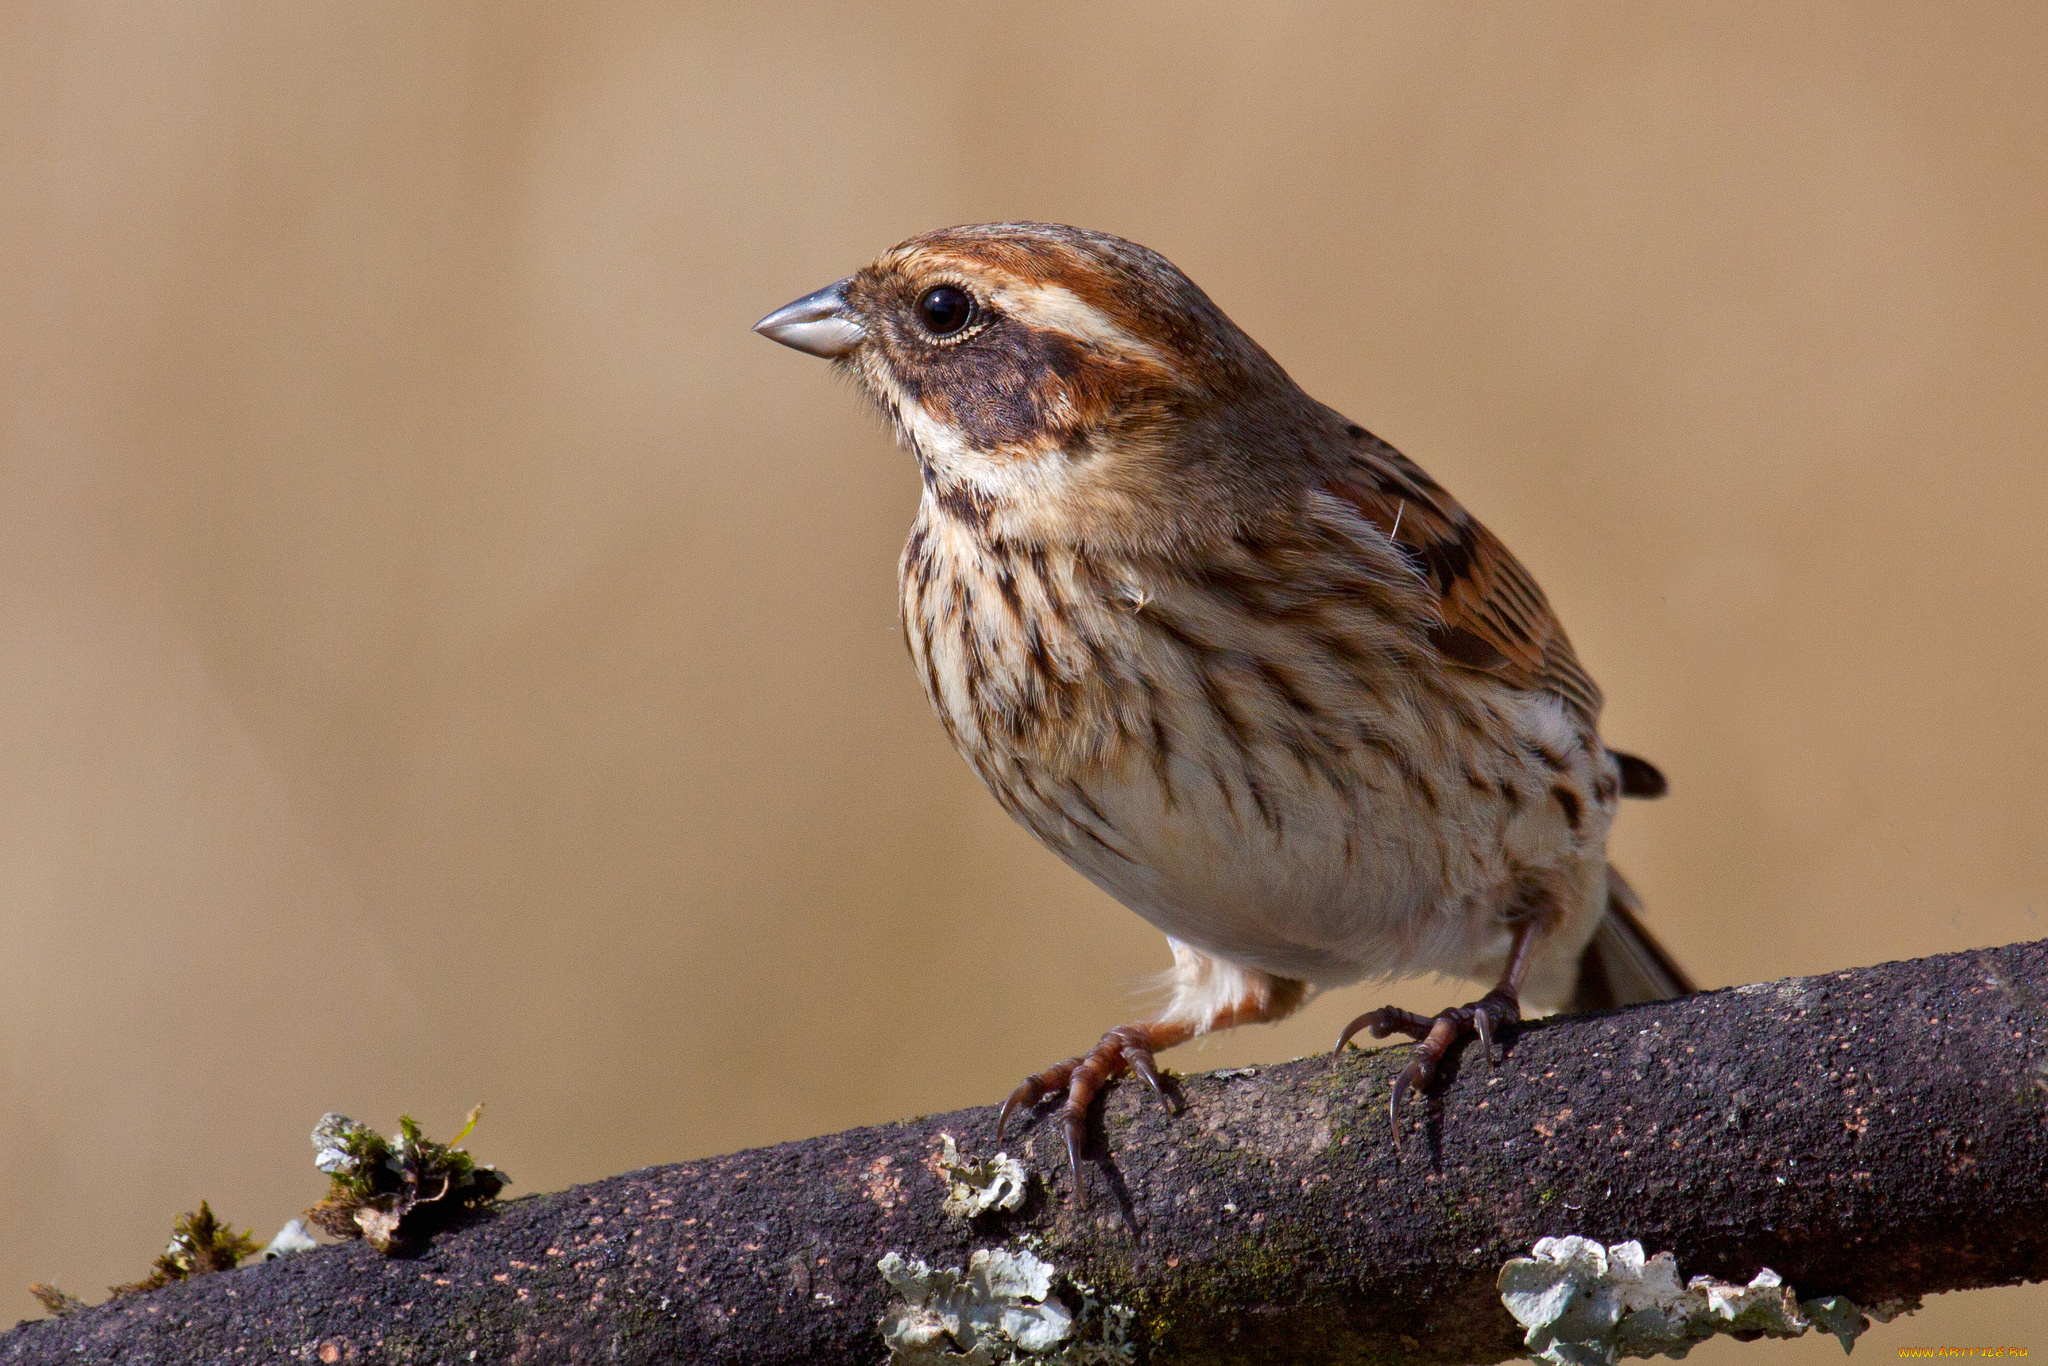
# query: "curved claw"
1387,1020
1077,1138
1402,1084
1127,1047
1141,1062
1434,1039
1035,1088
1026,1094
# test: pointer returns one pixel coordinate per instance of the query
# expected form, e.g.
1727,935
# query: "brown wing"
1495,619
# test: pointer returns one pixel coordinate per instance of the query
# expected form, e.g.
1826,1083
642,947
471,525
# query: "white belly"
1302,883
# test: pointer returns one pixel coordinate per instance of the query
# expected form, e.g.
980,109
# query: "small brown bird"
1237,660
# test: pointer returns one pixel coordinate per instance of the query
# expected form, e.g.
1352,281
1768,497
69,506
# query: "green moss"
58,1302
1262,1271
1198,1317
1336,1080
1360,1115
397,1191
200,1245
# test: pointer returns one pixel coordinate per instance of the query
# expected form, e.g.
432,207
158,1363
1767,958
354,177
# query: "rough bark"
1876,1133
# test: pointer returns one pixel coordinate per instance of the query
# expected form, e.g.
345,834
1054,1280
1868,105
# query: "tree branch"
1877,1134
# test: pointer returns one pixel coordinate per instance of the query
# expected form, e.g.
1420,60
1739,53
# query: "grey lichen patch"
1795,993
1582,1304
1007,1306
974,1186
291,1238
395,1191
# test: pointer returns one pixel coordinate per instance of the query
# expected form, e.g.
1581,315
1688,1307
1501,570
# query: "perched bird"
1237,660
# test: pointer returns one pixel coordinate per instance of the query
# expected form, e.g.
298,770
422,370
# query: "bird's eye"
944,309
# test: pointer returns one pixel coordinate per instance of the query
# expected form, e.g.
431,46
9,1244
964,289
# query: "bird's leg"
1127,1046
1499,1009
1260,998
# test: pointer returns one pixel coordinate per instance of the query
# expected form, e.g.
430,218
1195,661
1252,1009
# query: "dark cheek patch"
999,388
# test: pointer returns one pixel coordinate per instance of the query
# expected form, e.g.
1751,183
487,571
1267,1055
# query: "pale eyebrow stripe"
1039,303
1059,308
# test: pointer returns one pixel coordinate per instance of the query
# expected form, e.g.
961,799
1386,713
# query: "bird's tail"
1624,965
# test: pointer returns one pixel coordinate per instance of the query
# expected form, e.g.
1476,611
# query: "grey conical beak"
818,323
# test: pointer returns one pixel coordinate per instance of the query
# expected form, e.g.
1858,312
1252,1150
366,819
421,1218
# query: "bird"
1235,659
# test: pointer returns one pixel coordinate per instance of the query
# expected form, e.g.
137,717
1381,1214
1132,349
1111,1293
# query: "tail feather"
1624,965
1639,777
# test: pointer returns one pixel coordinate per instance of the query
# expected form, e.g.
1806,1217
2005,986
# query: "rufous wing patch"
1492,616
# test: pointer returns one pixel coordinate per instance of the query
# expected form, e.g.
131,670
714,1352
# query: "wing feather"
1494,618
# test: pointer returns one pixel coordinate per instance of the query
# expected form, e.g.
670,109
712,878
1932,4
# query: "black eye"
944,310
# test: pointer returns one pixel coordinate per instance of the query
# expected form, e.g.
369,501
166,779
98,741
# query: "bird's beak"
818,323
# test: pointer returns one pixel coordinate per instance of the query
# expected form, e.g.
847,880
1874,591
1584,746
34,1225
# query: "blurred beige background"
444,656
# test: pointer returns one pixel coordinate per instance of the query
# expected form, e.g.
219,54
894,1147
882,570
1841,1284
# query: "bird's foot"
1487,1017
1126,1047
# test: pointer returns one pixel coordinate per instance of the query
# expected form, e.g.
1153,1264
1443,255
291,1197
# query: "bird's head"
1049,377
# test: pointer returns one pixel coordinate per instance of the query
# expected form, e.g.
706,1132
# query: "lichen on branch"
1869,1136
